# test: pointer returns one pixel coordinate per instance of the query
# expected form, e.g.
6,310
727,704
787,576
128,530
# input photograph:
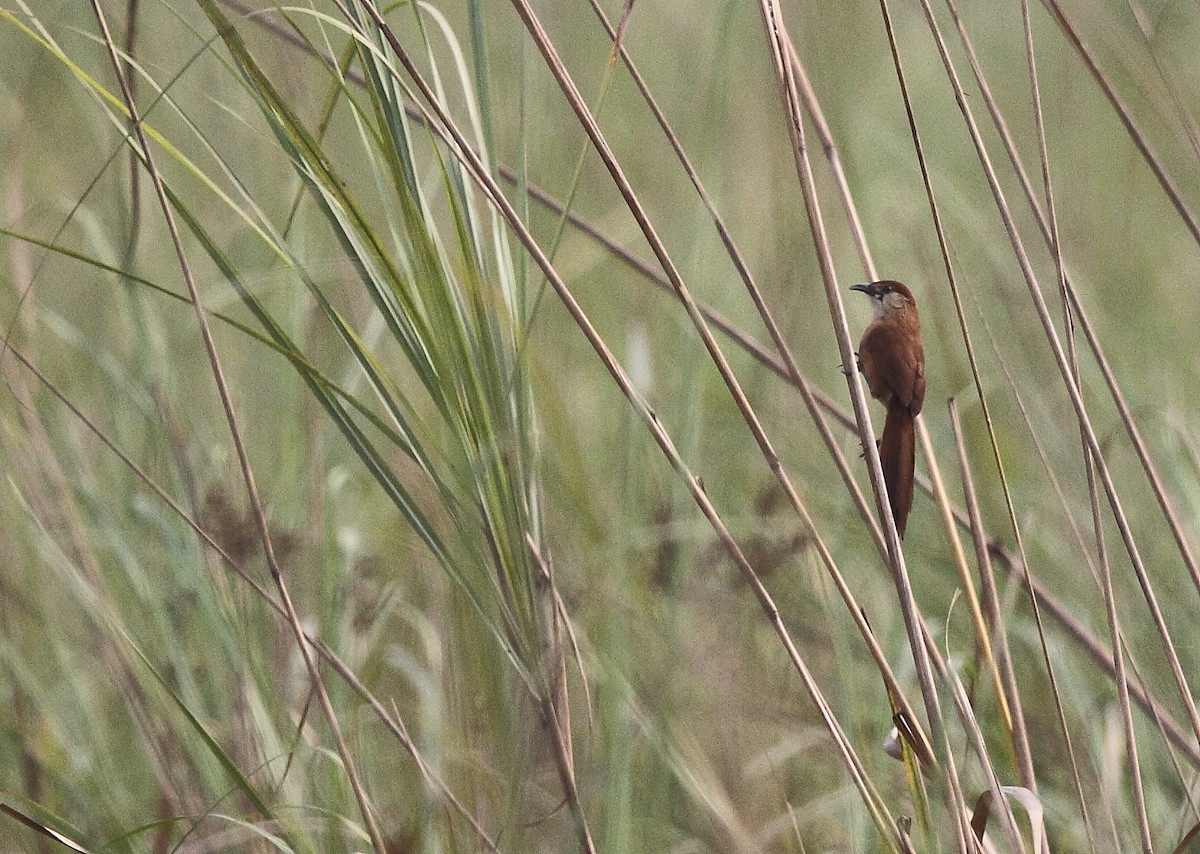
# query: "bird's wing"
898,366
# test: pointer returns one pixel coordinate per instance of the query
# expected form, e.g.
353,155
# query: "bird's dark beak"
869,289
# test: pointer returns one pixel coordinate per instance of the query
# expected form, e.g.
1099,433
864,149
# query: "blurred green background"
139,671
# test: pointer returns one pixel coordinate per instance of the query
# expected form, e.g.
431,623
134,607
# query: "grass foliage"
508,491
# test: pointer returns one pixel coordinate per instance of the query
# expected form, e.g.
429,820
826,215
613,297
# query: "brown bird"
892,360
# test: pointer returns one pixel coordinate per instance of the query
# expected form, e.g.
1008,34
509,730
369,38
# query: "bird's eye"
887,289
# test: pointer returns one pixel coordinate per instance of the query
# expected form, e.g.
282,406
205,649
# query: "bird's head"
887,296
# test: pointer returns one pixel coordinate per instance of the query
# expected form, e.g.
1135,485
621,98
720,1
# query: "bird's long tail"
897,453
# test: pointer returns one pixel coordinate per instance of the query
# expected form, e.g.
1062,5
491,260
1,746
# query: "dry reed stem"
1117,642
1126,117
777,39
1079,314
1105,580
1007,820
1055,692
981,629
1018,733
1076,306
1191,129
959,558
1069,383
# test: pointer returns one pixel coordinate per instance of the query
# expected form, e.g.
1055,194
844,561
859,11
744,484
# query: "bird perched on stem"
892,360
